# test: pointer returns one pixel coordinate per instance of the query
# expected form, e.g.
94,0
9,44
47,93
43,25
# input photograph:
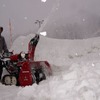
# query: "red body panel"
31,52
14,57
25,75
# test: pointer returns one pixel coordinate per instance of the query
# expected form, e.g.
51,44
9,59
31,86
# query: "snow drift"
59,52
76,70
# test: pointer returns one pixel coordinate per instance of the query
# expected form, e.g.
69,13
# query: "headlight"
23,55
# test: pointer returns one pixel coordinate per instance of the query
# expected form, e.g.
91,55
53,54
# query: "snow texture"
75,65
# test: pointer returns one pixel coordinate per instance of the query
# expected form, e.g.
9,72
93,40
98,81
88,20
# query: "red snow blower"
22,68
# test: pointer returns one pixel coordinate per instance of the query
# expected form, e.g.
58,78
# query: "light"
43,0
43,33
22,54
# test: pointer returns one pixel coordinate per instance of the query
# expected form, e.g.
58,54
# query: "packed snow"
75,65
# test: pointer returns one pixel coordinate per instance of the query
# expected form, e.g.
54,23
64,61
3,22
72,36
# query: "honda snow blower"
22,68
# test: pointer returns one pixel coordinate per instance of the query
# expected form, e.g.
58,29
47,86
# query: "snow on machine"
22,68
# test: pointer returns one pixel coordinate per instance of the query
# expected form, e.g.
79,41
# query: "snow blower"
22,68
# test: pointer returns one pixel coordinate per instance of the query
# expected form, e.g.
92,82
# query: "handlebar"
5,55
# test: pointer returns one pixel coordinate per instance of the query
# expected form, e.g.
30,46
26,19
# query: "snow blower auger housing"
22,68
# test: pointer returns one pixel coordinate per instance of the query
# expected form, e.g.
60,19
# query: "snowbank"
59,52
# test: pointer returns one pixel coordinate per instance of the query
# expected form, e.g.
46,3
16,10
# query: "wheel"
13,80
9,80
6,80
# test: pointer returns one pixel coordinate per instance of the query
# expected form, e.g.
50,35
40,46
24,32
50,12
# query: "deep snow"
75,65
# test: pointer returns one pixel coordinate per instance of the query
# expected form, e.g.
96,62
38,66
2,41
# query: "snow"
43,33
43,0
75,65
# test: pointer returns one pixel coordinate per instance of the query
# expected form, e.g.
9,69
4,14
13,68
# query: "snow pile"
76,70
79,82
59,52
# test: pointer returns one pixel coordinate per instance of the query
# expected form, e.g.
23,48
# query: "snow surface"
75,65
